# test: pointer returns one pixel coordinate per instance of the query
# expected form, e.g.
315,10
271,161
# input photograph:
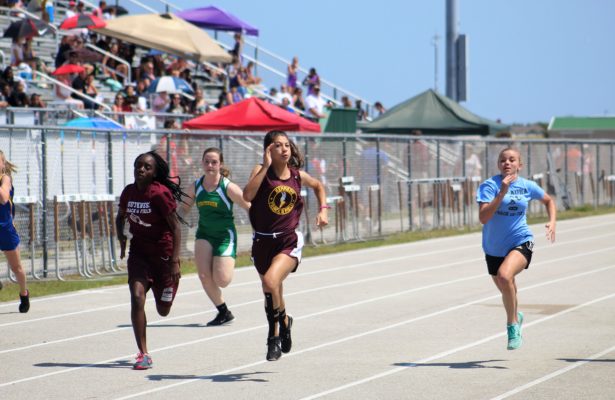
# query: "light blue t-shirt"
508,226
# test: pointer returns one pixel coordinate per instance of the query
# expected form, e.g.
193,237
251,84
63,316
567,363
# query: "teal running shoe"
520,320
143,361
514,336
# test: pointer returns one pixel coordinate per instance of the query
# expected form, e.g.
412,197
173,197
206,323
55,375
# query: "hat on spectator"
71,3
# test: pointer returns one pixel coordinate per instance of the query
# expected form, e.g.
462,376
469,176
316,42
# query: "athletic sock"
282,318
271,314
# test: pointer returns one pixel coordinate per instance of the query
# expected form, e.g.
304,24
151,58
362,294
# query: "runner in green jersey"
215,246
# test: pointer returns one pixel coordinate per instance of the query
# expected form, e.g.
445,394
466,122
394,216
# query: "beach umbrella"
67,69
26,28
170,84
101,123
83,21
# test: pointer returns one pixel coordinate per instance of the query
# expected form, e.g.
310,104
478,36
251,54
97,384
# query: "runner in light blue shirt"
507,240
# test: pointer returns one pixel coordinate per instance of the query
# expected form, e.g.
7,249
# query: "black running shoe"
222,319
274,350
24,306
287,341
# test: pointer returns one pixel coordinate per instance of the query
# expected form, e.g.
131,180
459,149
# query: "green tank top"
215,208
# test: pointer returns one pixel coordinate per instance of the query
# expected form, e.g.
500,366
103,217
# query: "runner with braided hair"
150,206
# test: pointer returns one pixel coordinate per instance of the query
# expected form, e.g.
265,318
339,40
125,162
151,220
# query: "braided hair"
296,159
162,176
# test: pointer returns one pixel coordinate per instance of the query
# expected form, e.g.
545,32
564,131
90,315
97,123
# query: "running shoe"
514,336
222,319
24,304
143,361
287,341
274,349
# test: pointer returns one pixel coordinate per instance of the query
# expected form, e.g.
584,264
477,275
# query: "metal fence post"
44,200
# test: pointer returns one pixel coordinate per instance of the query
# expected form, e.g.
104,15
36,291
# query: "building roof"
582,124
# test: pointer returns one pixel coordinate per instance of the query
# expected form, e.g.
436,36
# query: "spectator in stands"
130,96
37,101
16,52
89,88
161,102
291,76
18,97
73,55
249,77
142,86
119,104
80,7
178,64
5,93
49,11
147,70
177,105
285,105
238,47
346,103
102,4
64,94
187,76
273,96
63,49
198,105
9,77
315,105
71,11
379,108
298,102
234,96
34,63
361,115
235,77
111,65
283,94
311,81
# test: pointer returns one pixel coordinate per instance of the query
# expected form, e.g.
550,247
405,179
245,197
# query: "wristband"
325,207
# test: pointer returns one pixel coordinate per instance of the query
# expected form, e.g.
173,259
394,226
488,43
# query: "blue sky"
529,60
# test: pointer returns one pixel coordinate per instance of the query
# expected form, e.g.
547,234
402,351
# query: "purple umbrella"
217,19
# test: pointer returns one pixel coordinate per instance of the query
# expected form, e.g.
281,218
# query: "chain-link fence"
69,180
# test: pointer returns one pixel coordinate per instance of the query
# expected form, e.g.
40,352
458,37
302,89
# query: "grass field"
10,290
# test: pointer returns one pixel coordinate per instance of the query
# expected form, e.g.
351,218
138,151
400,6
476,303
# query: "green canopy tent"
432,114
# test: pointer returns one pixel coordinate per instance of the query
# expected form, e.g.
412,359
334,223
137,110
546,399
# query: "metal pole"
451,49
44,201
109,163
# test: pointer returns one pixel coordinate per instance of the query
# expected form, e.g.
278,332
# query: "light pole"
434,42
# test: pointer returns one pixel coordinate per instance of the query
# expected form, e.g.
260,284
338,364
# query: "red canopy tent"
252,114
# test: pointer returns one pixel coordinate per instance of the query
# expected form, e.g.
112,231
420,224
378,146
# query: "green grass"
44,288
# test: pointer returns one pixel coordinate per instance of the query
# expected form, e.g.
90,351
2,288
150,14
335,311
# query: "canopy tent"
252,114
432,114
217,19
167,33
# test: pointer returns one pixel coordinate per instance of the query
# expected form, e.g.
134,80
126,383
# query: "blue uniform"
508,227
9,239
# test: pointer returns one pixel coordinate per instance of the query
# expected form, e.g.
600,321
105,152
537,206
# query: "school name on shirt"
205,203
509,213
138,207
518,191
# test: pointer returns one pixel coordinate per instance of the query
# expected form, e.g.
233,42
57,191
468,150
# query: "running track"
419,320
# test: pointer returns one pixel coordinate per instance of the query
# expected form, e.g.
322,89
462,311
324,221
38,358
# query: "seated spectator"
142,86
161,102
9,77
315,105
63,49
249,77
131,97
37,101
176,106
146,70
235,77
111,65
17,56
234,96
5,93
198,105
87,87
179,64
222,99
119,104
187,76
71,11
298,101
64,94
102,4
30,58
273,96
311,81
285,105
18,97
283,94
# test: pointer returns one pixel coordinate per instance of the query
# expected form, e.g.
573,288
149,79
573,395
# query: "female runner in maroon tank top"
274,189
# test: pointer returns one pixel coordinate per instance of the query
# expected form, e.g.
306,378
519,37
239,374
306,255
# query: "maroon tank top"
277,206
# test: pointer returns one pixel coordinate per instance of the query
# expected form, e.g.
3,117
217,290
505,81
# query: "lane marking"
553,374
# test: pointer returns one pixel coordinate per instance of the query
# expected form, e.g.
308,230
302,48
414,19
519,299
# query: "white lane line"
386,249
553,374
43,376
354,265
452,351
300,292
390,372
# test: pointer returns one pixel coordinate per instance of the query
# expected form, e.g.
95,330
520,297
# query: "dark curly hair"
296,159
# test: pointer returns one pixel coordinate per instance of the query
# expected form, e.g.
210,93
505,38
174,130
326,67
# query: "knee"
163,311
270,284
223,281
204,278
505,279
137,300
